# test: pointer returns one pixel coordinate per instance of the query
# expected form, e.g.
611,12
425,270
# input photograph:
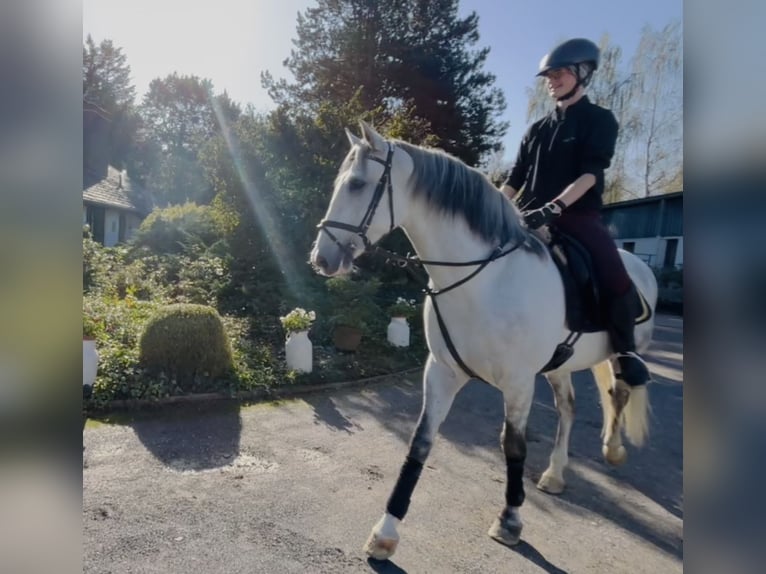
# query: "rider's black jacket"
558,149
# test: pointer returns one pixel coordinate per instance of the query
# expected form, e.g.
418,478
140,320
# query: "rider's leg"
616,287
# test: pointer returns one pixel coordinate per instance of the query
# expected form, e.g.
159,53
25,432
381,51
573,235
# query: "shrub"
354,302
177,229
187,342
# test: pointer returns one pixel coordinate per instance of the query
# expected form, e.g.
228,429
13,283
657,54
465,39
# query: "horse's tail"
634,417
636,413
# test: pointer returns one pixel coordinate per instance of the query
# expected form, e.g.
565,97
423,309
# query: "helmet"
570,53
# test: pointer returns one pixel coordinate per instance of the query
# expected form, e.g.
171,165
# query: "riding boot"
621,318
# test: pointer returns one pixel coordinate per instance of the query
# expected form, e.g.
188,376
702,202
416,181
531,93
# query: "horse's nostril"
321,262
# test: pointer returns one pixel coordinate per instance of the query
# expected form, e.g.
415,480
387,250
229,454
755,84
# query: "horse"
496,310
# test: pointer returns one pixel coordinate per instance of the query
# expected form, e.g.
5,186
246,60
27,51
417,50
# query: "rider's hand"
547,213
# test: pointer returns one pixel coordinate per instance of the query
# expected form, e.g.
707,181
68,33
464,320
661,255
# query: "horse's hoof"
380,548
551,484
615,456
506,529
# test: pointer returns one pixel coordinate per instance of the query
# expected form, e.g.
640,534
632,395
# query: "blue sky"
232,44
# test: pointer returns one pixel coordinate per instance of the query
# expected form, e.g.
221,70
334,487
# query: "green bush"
188,343
178,229
354,302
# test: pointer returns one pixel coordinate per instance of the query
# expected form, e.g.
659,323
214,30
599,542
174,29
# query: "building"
651,227
112,206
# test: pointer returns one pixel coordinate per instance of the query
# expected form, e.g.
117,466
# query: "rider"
560,164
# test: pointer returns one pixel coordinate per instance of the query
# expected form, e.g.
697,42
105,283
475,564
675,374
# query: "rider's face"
560,81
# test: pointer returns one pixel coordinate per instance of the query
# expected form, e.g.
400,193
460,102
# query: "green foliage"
297,320
178,229
187,342
106,83
116,325
404,55
406,308
353,302
180,115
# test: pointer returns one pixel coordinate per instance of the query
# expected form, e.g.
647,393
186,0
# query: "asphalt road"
296,486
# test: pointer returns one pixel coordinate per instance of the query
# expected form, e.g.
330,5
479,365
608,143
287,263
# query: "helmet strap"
580,82
570,93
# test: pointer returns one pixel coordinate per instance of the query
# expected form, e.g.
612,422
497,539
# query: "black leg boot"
621,318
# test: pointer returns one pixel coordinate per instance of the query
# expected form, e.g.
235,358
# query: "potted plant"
401,312
355,310
298,347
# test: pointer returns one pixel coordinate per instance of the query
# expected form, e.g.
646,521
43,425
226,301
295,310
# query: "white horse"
501,325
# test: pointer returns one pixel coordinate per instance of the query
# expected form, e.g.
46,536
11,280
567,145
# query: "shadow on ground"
188,437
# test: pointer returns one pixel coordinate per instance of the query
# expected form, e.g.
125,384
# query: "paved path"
296,486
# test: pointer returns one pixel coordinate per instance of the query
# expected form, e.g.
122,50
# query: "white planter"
299,352
89,362
399,332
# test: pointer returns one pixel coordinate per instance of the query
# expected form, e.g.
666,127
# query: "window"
671,248
629,246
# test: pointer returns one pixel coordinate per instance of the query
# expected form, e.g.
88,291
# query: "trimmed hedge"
188,343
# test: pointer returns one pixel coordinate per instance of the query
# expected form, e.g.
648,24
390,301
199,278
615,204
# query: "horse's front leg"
440,385
552,480
518,401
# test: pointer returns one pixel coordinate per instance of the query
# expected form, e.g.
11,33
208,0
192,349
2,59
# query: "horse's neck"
437,237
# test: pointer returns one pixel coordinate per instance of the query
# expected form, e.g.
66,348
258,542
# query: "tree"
411,57
180,114
106,83
656,98
106,75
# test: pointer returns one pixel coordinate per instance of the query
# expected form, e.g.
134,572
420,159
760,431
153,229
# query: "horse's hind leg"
439,389
552,480
614,395
506,528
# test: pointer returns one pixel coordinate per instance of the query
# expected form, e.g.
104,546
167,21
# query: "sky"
232,41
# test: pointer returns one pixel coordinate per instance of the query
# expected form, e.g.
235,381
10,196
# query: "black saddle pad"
585,310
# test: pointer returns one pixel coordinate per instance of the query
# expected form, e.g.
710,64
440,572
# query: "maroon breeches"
589,229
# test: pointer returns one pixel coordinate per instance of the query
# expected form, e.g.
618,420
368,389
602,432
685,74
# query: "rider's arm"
518,173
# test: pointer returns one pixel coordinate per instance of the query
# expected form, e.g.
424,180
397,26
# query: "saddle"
585,308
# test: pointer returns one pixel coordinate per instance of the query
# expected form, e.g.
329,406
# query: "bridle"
384,184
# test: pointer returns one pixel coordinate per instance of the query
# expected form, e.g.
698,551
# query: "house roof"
640,200
117,191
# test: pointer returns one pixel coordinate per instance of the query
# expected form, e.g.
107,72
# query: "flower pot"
299,352
347,338
399,332
89,362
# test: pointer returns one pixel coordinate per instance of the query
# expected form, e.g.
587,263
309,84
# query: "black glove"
547,213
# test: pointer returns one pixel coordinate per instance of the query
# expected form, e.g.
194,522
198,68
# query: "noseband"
384,184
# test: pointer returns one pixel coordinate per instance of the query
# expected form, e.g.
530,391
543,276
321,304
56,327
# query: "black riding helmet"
579,54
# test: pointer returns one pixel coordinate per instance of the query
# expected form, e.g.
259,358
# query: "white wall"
646,247
652,249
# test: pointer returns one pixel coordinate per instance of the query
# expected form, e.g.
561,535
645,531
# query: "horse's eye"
355,184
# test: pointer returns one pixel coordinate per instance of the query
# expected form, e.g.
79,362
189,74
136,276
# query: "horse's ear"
376,141
352,138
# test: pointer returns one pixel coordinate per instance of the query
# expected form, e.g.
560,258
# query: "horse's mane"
452,187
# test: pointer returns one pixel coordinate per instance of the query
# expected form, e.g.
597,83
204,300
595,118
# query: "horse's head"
362,208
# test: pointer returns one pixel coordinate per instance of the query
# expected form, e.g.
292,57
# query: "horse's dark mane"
452,187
